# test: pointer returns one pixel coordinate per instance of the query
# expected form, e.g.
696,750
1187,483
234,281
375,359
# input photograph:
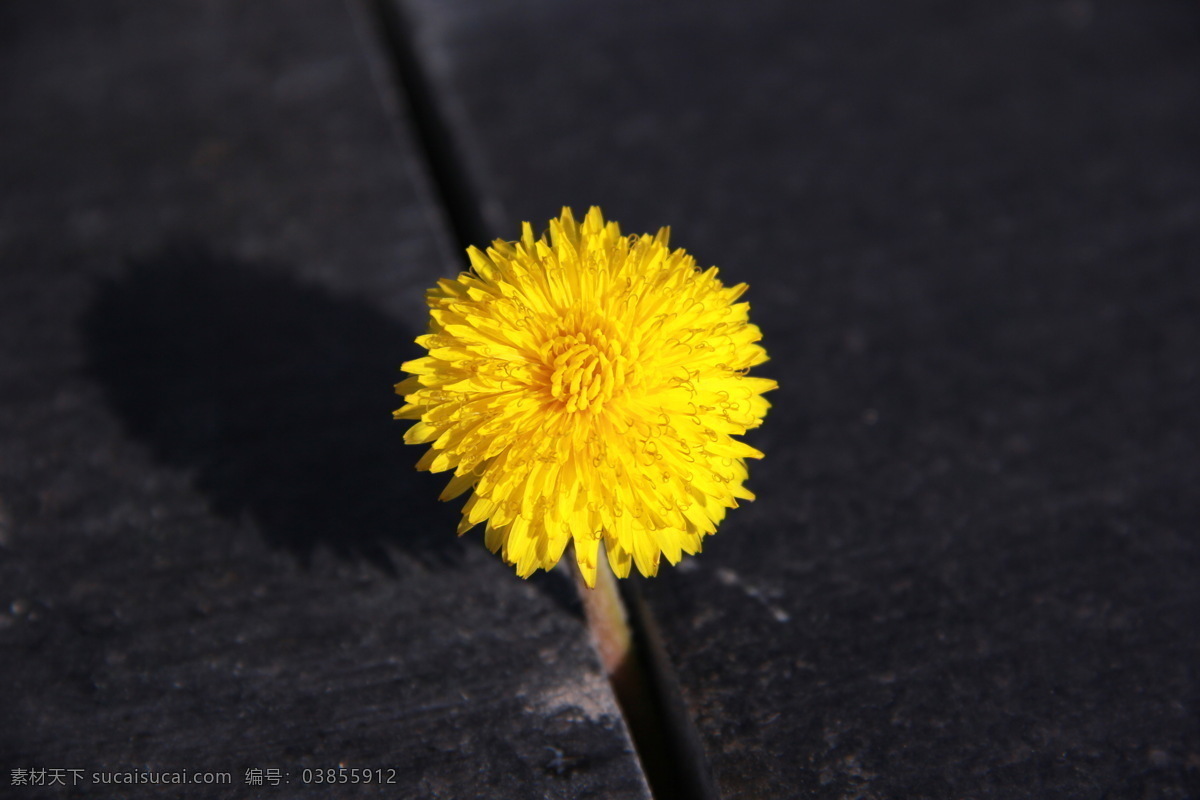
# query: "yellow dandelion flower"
588,387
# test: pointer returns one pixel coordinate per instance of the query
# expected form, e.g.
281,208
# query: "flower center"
588,368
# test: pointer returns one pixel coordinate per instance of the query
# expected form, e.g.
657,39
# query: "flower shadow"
276,395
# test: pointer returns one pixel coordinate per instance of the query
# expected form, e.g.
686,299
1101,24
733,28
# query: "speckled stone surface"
214,552
972,234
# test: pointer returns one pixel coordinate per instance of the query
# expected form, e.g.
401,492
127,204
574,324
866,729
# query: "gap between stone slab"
646,689
644,685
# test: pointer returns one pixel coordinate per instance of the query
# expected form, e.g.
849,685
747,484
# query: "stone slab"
215,555
971,232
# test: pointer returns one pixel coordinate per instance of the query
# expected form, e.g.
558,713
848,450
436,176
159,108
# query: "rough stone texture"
214,552
972,233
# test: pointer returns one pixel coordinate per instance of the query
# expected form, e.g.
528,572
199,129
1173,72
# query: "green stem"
606,616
